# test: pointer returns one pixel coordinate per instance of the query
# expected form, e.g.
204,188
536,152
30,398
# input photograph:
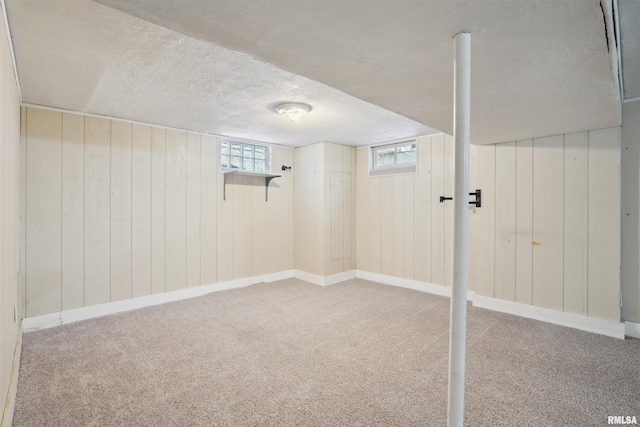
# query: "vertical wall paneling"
193,209
324,205
176,210
301,203
115,211
237,225
505,220
224,228
386,223
604,224
258,227
438,209
97,211
340,196
409,227
396,225
158,210
375,223
362,209
630,212
316,160
121,145
208,209
279,213
72,211
349,242
482,262
23,213
336,200
423,202
524,221
575,223
141,246
249,210
547,233
548,221
44,236
13,203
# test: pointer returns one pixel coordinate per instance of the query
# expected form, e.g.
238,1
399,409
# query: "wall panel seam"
61,209
132,285
26,212
495,199
564,225
588,165
110,209
533,217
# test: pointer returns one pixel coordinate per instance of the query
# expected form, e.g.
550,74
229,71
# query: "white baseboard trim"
632,329
571,320
339,277
584,323
69,316
10,401
316,279
416,285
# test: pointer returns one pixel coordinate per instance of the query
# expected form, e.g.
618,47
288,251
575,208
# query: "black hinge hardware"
477,201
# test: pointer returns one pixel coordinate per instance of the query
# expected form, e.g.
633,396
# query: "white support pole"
458,325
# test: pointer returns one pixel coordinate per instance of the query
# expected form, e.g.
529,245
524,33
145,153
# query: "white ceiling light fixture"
293,110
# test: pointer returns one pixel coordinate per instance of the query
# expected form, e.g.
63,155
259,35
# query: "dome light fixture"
293,110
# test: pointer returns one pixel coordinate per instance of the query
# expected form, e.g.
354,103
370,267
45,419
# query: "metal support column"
458,325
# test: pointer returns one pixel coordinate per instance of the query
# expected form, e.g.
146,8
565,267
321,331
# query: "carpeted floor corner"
290,353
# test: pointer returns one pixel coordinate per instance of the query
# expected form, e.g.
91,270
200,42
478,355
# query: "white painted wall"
9,210
630,215
547,234
325,188
402,229
115,211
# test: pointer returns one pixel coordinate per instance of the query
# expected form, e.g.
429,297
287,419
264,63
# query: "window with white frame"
245,156
399,157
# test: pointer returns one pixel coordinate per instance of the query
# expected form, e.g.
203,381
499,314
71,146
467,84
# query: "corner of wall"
630,212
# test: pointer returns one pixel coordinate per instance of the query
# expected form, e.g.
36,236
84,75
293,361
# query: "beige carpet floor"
294,354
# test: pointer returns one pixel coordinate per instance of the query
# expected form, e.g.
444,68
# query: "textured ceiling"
82,56
372,70
629,19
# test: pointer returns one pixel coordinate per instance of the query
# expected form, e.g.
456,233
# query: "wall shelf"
267,179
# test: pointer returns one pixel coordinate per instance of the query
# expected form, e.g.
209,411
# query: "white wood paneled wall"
547,234
325,189
9,211
115,211
402,229
630,271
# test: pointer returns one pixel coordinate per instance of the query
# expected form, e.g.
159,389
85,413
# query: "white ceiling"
372,70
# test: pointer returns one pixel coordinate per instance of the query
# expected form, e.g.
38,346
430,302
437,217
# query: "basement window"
245,156
397,158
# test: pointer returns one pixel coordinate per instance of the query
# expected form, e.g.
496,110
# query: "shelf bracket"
267,180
